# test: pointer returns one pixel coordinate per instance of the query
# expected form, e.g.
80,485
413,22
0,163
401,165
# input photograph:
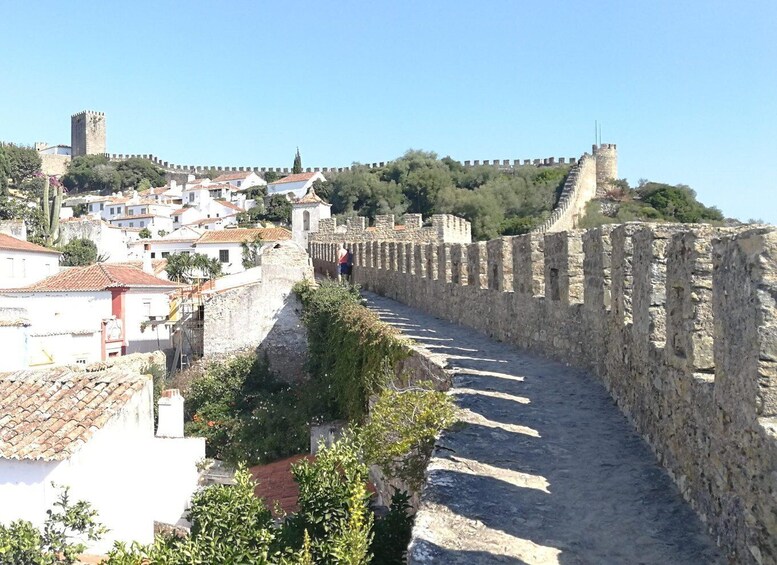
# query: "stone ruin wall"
265,315
678,321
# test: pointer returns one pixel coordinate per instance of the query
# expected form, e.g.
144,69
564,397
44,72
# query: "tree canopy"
98,173
420,182
79,252
190,267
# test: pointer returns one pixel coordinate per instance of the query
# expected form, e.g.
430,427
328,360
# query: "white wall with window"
20,268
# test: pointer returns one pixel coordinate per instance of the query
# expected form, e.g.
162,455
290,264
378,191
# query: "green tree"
134,171
250,252
191,267
92,173
278,209
145,233
61,541
297,166
21,162
79,252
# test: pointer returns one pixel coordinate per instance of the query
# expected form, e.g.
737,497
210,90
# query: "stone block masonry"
679,322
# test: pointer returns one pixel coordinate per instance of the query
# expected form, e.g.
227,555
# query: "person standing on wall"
343,263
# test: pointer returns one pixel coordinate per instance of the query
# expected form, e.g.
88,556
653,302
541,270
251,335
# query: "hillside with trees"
496,202
649,202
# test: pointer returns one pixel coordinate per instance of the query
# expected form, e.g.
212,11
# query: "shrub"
400,434
245,413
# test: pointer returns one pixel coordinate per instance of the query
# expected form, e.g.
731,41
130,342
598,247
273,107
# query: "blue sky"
688,90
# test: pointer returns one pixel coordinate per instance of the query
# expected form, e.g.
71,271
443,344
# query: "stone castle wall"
678,322
445,228
173,168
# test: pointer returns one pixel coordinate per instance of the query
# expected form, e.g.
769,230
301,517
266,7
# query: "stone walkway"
545,468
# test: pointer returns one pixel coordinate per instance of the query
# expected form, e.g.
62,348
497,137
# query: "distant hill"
649,202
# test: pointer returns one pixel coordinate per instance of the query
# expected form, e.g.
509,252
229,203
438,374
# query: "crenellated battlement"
503,164
676,320
445,228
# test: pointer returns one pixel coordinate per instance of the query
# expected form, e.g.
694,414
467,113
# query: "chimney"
147,267
173,185
170,423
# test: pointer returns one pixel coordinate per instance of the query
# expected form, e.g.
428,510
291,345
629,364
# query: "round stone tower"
606,156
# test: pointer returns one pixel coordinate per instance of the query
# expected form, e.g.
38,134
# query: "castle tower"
87,133
606,156
305,216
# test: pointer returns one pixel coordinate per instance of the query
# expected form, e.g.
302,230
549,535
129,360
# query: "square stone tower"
87,133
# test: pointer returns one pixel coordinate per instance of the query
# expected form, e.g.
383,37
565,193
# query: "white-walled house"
94,432
23,263
88,314
178,241
226,245
153,222
185,216
241,180
297,184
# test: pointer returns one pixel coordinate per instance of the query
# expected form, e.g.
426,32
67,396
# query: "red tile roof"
232,176
230,205
9,243
299,177
50,414
100,276
240,235
158,265
276,483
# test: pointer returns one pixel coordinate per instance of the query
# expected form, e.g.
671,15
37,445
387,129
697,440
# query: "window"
147,307
132,224
142,224
24,267
191,197
102,206
9,267
306,220
110,211
238,184
143,210
224,255
130,212
81,361
165,254
153,255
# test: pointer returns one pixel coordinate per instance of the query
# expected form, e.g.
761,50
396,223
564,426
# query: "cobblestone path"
545,468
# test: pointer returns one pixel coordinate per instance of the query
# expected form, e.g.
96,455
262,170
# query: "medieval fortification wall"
678,321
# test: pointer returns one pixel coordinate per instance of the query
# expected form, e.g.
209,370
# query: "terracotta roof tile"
232,176
11,243
299,177
240,235
311,198
50,414
276,483
100,276
230,205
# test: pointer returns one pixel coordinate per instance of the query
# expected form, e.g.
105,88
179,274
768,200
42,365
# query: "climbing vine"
352,353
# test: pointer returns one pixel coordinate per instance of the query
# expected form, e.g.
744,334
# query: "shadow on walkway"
544,469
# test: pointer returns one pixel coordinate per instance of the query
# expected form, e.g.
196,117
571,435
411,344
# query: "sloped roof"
276,483
49,414
13,244
299,177
232,176
240,235
311,198
230,205
158,265
100,276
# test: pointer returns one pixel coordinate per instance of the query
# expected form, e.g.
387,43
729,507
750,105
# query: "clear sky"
688,90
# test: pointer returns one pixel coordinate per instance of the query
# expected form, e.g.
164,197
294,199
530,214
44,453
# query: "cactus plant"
51,213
